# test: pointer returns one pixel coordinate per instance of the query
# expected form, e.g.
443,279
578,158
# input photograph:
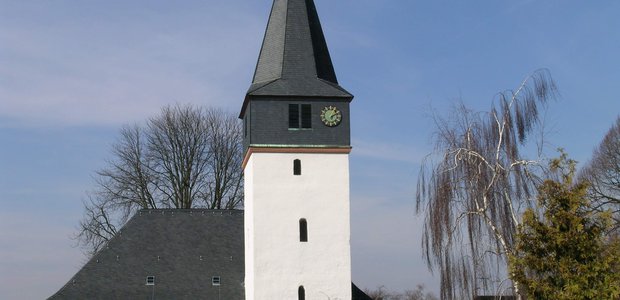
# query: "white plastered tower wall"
276,261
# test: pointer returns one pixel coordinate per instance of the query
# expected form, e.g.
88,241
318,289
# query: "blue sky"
73,72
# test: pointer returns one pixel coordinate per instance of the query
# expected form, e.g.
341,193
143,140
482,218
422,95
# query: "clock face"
331,116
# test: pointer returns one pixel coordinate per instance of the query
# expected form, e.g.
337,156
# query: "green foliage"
562,251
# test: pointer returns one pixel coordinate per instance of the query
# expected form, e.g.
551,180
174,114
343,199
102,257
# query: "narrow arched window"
297,167
303,230
301,293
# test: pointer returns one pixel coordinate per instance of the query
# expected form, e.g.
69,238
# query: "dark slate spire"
294,59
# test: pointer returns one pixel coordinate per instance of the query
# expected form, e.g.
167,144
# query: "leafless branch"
474,194
185,157
603,174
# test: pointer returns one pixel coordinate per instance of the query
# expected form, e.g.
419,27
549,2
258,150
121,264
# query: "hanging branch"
473,195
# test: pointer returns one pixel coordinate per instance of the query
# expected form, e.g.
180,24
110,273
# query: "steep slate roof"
183,249
294,59
357,294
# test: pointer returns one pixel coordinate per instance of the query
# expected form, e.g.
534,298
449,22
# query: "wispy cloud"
115,73
383,150
34,256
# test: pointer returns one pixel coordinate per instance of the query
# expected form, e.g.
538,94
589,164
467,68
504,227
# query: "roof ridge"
259,85
181,210
335,85
142,241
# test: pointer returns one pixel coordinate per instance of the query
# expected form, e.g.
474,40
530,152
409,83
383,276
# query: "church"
292,240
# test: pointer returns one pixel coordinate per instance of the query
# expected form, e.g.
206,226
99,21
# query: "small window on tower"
301,293
215,280
303,230
150,280
293,116
299,116
306,116
297,167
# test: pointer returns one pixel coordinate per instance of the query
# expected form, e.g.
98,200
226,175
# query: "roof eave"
252,93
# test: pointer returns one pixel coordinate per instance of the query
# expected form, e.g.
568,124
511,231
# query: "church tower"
296,166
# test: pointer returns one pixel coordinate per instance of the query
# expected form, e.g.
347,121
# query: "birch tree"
473,193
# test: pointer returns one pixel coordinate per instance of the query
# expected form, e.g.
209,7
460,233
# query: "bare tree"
225,190
186,157
178,155
418,294
603,174
381,293
474,194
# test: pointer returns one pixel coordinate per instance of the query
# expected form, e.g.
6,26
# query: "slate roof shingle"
182,249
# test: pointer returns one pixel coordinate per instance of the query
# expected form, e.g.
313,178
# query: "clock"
331,116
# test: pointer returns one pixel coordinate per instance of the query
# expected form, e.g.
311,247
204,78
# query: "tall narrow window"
297,167
306,116
303,230
301,293
293,116
300,116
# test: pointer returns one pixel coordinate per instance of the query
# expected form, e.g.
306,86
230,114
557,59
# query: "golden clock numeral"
331,116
